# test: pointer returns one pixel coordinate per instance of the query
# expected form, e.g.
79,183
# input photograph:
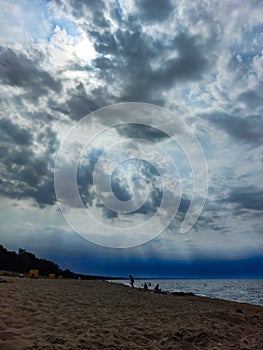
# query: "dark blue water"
247,291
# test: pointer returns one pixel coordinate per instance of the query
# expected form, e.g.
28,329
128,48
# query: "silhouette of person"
157,289
131,281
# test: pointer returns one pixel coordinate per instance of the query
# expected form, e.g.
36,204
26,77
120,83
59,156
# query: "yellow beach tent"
33,273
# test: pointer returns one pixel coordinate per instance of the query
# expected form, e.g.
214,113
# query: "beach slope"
71,315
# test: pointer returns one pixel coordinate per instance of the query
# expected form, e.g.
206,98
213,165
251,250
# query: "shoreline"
65,314
178,291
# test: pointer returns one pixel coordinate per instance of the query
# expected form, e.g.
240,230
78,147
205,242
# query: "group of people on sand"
156,289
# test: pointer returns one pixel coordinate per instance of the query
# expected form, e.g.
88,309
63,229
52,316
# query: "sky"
131,135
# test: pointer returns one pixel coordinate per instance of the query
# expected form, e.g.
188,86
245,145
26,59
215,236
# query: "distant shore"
71,314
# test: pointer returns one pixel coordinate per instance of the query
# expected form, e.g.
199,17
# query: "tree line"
23,261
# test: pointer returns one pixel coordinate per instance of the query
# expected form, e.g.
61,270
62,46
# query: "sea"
239,290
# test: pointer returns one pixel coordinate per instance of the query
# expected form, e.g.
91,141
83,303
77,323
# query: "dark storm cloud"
247,129
80,104
85,176
87,165
184,205
251,98
11,132
121,187
48,138
141,63
119,184
154,10
28,177
246,198
120,191
18,70
189,64
45,192
152,203
92,5
142,131
24,173
92,8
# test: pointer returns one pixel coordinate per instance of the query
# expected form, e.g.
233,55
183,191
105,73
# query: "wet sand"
71,315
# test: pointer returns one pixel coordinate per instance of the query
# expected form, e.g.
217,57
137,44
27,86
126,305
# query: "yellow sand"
70,315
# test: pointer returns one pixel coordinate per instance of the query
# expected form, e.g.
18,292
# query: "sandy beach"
70,315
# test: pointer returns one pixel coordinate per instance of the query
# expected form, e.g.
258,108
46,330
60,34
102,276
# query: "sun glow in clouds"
84,50
66,47
69,36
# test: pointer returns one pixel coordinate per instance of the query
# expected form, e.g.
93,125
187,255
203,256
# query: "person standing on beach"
131,281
